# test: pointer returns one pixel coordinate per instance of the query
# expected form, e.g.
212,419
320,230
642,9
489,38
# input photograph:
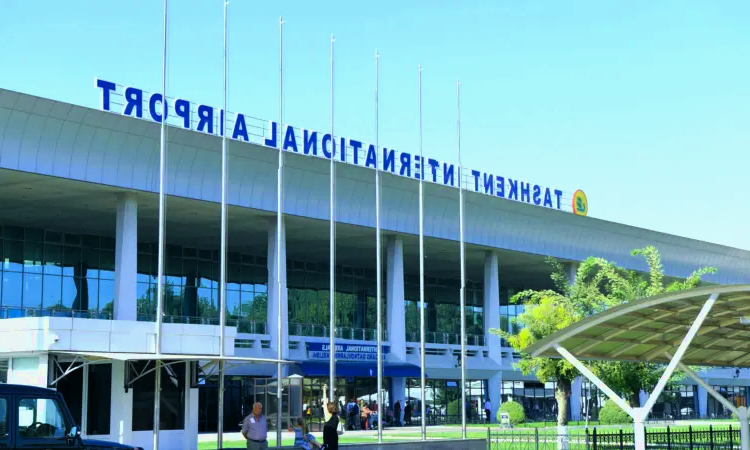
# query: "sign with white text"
345,352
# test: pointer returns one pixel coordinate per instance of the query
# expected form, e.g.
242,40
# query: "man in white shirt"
487,409
255,429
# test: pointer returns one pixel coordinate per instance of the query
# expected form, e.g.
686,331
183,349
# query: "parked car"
34,417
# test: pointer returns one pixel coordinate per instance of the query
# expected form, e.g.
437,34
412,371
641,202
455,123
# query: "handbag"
341,428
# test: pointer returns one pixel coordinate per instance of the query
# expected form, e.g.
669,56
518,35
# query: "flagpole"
279,228
421,269
463,263
162,214
379,276
223,245
332,237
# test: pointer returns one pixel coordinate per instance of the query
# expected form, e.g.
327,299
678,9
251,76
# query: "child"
302,438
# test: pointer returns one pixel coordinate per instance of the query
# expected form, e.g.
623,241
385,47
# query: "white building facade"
79,259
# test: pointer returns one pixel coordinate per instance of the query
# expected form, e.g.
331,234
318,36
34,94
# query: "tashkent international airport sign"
345,352
138,103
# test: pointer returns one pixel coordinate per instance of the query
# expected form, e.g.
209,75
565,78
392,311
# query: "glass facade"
442,300
735,394
537,399
191,287
592,400
55,274
99,396
443,400
308,287
508,312
44,272
677,403
172,397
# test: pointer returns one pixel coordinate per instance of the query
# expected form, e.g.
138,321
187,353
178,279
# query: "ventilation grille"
294,345
265,344
410,350
244,343
469,353
434,351
3,370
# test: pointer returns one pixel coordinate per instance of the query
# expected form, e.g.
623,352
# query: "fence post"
711,436
621,439
690,431
594,448
731,444
536,438
587,439
669,438
489,439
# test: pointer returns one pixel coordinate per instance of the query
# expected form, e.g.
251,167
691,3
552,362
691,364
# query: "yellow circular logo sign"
580,203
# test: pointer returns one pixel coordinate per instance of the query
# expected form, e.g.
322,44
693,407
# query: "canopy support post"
680,353
594,379
639,415
639,429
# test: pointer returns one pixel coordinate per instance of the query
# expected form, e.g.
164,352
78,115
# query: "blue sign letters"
206,119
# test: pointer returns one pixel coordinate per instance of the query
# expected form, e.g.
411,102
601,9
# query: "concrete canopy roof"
647,329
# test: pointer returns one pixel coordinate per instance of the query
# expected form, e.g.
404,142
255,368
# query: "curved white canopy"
651,328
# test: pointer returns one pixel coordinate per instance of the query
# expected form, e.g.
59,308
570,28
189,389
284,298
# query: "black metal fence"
669,438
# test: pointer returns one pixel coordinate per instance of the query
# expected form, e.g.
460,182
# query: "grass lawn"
351,438
503,438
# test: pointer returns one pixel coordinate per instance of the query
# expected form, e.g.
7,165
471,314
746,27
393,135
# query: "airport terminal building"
78,245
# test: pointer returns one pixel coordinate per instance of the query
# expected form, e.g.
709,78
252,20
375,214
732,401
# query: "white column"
121,413
30,371
126,257
576,399
494,386
492,306
273,287
571,270
85,401
190,440
742,415
395,309
640,431
702,402
399,394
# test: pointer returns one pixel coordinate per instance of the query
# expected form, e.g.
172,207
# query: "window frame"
5,442
43,442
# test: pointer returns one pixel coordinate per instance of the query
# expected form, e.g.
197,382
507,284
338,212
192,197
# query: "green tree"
627,285
599,284
546,312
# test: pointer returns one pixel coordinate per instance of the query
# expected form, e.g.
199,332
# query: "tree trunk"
562,395
635,398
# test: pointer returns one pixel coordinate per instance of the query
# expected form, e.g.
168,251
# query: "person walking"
255,429
487,409
331,429
397,412
407,414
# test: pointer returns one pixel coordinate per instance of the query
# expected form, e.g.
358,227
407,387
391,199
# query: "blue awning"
356,369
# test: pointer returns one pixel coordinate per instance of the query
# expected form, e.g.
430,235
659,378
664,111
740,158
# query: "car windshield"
41,418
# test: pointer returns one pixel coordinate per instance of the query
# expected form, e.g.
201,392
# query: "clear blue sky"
644,105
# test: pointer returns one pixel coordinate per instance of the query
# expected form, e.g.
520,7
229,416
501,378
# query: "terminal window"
55,274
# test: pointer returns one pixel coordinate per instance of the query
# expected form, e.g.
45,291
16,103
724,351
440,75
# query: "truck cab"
38,418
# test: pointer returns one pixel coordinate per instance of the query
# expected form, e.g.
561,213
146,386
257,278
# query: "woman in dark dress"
331,428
